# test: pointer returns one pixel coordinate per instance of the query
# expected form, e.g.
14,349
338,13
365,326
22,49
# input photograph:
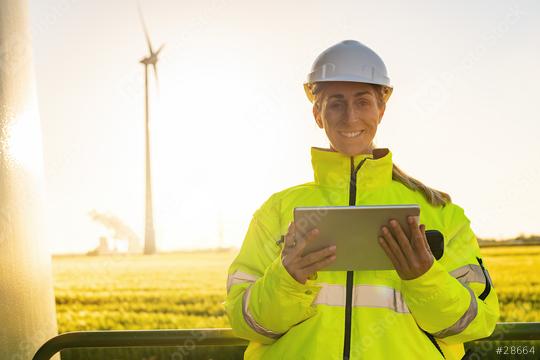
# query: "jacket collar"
333,169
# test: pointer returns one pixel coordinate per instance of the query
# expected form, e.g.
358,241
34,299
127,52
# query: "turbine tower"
150,59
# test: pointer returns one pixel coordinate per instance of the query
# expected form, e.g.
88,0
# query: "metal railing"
512,331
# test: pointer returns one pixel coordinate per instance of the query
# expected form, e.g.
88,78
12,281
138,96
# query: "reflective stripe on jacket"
360,314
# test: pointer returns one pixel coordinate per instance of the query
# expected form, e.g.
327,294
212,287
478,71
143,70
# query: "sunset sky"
231,124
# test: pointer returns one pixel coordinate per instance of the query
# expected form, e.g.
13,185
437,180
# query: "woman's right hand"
304,267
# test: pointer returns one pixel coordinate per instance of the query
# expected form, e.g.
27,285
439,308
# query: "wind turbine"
150,59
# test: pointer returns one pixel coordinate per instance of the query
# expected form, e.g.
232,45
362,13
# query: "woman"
424,309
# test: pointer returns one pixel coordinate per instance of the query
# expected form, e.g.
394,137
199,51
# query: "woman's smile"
351,134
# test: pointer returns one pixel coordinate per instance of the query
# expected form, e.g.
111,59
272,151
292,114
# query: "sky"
230,124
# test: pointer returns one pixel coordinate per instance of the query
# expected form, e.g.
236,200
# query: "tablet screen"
354,230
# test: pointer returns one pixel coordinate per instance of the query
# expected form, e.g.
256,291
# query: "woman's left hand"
411,258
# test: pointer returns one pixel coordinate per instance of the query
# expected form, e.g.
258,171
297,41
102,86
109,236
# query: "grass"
515,273
166,291
186,290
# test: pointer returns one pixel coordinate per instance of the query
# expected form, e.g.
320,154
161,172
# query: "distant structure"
150,59
103,247
120,233
221,231
521,240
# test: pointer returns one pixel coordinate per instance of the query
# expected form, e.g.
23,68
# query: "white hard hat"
349,60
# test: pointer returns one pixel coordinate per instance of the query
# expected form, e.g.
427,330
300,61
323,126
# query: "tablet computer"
354,230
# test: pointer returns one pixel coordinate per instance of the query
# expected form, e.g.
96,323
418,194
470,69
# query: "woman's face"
349,113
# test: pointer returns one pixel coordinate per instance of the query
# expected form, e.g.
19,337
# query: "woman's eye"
362,102
336,105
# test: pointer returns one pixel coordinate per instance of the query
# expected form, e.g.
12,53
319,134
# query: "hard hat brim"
309,94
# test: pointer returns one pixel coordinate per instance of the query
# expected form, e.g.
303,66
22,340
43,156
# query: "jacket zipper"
350,274
350,277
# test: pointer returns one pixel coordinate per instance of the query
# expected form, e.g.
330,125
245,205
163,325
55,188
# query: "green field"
166,291
186,290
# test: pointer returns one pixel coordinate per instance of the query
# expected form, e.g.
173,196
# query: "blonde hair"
434,197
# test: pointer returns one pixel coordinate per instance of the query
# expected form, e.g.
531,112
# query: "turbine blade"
159,50
144,28
156,75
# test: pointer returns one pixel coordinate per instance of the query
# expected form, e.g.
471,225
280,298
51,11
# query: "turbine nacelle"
151,59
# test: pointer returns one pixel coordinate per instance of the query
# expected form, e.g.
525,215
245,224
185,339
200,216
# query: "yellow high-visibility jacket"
358,314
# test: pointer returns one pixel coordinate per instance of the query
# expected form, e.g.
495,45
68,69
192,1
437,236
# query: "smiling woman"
357,124
282,301
349,112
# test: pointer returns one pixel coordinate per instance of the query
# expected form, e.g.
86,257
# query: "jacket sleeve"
263,300
455,300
